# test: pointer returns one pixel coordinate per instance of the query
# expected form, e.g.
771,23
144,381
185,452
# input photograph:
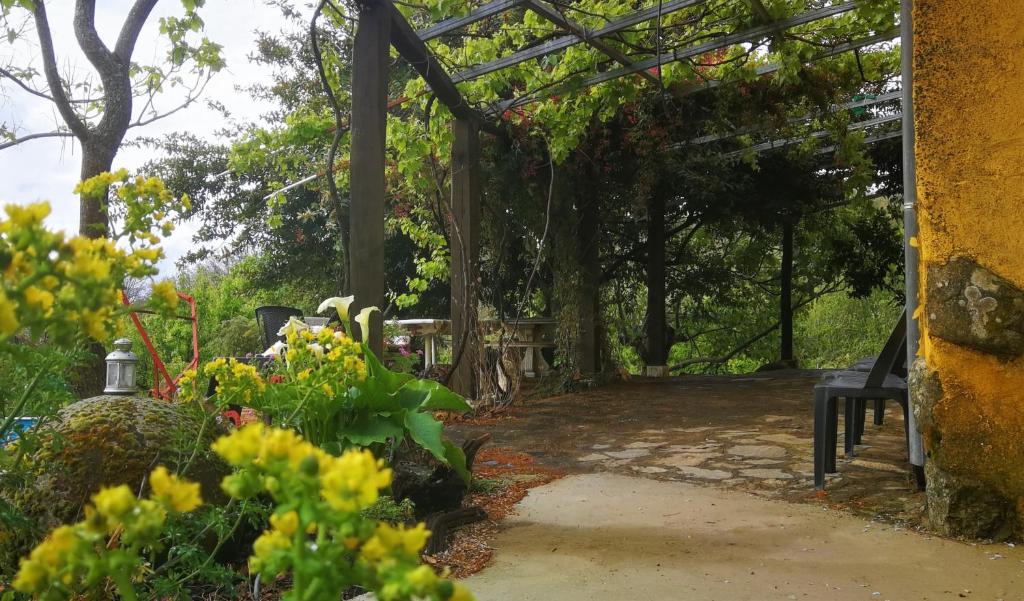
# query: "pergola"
381,25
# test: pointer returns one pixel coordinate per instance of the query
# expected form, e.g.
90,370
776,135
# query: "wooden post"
369,124
465,255
786,295
657,354
588,348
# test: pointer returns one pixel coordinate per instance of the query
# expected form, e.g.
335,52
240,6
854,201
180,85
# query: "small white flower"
340,304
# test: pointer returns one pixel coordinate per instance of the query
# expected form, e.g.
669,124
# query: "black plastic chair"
857,387
271,319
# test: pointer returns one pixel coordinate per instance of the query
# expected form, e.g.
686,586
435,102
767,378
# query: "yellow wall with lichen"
969,121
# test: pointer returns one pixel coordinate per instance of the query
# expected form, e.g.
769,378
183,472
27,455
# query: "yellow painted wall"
969,111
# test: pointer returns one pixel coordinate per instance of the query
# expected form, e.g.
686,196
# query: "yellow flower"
46,560
327,389
388,540
8,317
180,495
285,523
461,593
114,503
164,293
241,446
25,216
268,542
353,481
39,298
421,578
95,323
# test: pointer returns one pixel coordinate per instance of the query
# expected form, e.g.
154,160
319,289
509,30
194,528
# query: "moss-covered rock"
106,441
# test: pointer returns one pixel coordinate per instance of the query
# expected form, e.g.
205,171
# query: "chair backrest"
892,355
271,319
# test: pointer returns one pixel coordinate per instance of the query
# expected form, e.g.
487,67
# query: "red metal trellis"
163,385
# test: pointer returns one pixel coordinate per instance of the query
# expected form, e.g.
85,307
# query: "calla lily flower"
293,327
340,304
363,319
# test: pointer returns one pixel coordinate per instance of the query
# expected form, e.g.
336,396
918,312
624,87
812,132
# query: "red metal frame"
170,385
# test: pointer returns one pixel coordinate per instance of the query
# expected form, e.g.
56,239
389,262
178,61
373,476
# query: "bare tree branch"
24,86
53,80
133,23
89,39
21,84
192,96
36,136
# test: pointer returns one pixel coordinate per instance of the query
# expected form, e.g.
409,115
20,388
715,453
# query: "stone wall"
969,112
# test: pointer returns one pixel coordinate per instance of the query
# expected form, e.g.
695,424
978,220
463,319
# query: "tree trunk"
657,354
588,349
89,378
786,296
97,157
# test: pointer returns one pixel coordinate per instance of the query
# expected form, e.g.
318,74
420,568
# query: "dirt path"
617,538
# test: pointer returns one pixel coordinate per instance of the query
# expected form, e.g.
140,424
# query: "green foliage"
338,395
836,331
387,510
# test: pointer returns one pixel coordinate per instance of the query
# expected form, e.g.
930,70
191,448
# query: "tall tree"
99,114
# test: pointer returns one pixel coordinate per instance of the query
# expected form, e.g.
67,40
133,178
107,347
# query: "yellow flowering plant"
108,545
66,289
336,393
318,532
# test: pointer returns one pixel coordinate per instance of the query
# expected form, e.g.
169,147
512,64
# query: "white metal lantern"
121,368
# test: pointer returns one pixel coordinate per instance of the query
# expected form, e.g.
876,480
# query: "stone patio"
749,433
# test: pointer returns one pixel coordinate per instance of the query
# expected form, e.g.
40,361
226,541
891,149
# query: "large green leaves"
391,405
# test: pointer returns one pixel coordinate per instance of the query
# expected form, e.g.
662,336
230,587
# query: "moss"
105,441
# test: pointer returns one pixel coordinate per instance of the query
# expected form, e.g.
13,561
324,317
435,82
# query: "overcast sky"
48,169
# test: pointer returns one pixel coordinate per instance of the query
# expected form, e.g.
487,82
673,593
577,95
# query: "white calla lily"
339,303
363,319
293,327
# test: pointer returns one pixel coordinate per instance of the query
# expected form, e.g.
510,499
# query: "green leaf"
370,429
426,431
457,460
438,398
391,381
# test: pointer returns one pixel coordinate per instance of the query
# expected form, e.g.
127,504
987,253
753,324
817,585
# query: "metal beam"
746,35
549,13
773,144
478,14
767,68
868,140
415,51
563,42
832,109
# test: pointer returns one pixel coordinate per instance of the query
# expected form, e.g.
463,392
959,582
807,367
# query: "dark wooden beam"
657,353
371,60
786,296
465,256
552,15
416,53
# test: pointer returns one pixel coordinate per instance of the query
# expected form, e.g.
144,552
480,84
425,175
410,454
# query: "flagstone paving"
750,433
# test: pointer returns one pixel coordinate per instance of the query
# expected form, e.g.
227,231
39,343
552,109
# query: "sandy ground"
615,538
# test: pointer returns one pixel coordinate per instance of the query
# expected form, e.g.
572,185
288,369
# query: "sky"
48,169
